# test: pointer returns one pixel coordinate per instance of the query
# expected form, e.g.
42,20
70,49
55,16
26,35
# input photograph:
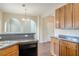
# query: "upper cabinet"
68,17
76,16
57,18
61,18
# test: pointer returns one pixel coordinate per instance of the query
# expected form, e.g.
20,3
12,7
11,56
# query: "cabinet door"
14,53
63,48
57,18
52,46
61,12
76,15
9,51
71,52
56,47
68,16
71,49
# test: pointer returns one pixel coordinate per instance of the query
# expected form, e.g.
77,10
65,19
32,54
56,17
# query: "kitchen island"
20,42
6,44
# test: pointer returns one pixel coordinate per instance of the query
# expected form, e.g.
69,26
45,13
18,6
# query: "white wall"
40,29
46,28
8,16
4,17
1,21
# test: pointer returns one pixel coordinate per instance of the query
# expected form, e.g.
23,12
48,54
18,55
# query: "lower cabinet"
14,53
71,52
54,47
64,48
10,51
71,49
68,48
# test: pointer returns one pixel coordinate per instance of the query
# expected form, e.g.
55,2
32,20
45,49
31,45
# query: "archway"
12,26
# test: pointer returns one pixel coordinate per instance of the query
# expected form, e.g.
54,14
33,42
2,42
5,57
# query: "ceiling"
33,9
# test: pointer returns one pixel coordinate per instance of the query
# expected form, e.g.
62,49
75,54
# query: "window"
30,26
14,26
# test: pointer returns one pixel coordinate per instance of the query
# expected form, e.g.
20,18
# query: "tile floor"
44,49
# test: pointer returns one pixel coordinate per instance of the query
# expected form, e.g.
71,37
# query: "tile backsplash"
17,36
67,32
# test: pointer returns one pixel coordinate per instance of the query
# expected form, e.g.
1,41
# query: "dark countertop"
8,39
69,39
16,33
7,43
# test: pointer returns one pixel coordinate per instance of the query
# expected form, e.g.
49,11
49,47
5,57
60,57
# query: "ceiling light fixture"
24,19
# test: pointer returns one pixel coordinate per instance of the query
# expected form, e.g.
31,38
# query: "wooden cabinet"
52,47
61,17
71,49
64,17
64,48
14,53
67,16
76,15
57,18
55,46
68,48
10,51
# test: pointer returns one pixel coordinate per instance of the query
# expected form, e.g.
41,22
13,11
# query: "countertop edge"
66,40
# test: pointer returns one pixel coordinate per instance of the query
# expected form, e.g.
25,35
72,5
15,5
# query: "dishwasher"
28,49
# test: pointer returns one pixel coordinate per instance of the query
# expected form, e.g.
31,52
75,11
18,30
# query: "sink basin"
74,39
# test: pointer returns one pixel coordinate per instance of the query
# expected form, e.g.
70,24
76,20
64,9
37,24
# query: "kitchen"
27,31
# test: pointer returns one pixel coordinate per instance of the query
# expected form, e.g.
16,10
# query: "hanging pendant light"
24,19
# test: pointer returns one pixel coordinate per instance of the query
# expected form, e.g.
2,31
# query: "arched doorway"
15,26
12,26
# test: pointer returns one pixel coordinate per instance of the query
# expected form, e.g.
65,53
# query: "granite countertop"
7,43
16,33
68,39
4,44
